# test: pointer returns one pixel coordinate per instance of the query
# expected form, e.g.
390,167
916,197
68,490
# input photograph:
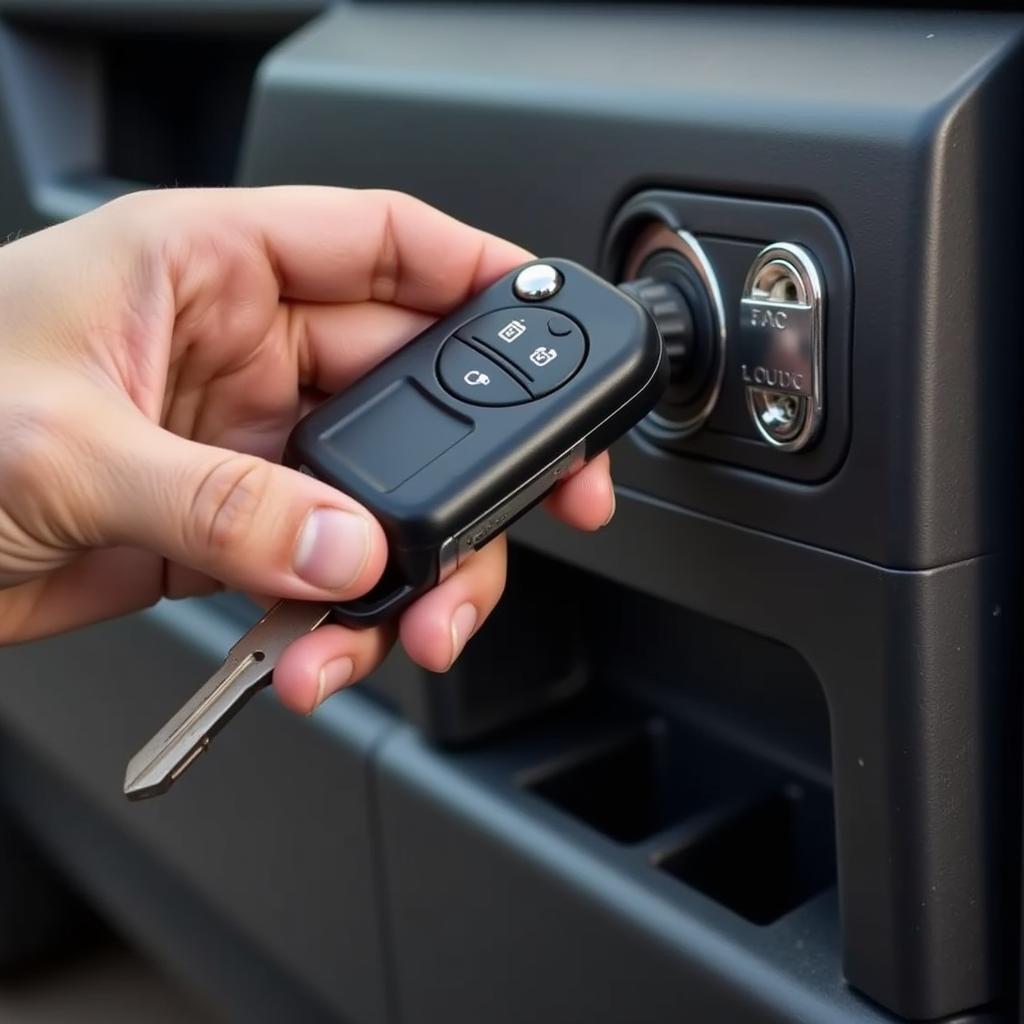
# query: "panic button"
546,347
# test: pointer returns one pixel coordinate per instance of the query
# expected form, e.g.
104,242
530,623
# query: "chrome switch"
780,345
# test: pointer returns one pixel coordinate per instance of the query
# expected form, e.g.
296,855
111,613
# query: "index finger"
347,245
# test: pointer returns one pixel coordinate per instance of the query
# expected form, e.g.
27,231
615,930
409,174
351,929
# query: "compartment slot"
97,110
619,788
639,782
766,861
175,105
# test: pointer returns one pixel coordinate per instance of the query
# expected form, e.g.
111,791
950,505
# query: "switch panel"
777,280
780,346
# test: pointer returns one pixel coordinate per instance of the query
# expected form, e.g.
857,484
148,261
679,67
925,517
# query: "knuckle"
226,503
159,222
393,195
387,267
136,216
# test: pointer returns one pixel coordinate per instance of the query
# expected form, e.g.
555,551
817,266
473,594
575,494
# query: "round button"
523,336
536,282
559,326
475,378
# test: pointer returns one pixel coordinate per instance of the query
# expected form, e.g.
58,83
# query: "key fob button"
537,282
560,326
546,347
474,378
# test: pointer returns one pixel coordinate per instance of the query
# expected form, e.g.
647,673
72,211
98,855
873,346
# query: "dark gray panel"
161,14
914,669
504,911
272,831
878,118
894,125
155,907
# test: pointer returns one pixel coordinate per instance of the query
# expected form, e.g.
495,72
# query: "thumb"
248,522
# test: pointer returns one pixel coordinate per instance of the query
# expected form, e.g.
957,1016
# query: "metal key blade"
247,668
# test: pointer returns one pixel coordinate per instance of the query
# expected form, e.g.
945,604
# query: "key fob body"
467,427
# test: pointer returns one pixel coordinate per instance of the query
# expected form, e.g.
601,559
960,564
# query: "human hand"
154,355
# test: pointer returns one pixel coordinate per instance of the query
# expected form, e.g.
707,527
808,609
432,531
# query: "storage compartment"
174,105
98,108
622,788
634,785
767,860
671,826
703,747
738,828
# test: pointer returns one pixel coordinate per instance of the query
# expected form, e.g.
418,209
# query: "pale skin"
154,355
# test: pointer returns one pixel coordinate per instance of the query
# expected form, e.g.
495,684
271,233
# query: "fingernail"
611,515
331,678
333,548
463,622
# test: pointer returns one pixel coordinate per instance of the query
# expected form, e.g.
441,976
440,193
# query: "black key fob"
468,426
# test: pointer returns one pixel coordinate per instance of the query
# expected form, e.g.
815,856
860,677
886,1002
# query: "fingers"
343,245
244,521
436,629
327,660
337,344
587,499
